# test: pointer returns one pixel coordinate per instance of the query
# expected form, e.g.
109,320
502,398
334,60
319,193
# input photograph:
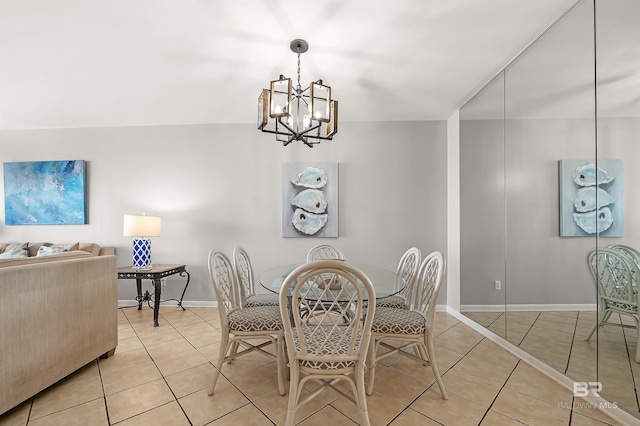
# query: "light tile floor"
160,375
557,339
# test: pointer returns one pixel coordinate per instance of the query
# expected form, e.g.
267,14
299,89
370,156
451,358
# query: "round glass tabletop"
385,282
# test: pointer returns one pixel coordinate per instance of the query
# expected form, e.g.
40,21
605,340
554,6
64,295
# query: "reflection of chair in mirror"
242,326
397,330
324,251
629,251
244,272
408,270
327,348
632,254
615,275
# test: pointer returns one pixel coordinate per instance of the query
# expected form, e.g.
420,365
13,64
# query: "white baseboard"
185,303
439,308
210,304
524,307
607,407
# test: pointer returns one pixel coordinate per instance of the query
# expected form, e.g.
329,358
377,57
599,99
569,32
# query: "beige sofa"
57,314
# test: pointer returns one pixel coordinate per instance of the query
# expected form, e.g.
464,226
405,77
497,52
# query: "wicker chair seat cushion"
258,318
394,301
398,321
320,341
263,299
623,306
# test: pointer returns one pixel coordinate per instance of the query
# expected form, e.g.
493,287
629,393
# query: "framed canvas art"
591,198
310,200
45,193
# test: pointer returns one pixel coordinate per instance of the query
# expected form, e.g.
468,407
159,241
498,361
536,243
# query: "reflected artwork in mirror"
591,198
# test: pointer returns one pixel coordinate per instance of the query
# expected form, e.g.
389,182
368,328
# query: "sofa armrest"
56,317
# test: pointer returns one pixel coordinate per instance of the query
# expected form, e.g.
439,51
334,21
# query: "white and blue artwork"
310,200
591,198
45,193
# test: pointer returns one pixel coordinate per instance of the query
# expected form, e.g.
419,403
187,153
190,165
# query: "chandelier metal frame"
307,115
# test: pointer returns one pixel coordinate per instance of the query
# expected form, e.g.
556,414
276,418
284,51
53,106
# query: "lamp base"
142,254
142,268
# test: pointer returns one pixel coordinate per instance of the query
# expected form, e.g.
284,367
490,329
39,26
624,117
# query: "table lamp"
141,227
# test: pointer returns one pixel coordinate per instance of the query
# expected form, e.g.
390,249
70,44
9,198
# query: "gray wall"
216,186
541,267
482,222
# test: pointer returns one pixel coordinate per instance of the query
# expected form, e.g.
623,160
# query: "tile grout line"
405,406
104,393
177,400
610,418
408,406
156,365
227,378
498,395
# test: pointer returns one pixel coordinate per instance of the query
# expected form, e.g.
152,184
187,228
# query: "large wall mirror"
568,105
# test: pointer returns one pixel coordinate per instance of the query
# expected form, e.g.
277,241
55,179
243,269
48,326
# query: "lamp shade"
141,226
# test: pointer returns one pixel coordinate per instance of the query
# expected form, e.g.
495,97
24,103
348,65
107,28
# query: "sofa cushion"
41,259
8,246
54,249
35,247
15,250
92,248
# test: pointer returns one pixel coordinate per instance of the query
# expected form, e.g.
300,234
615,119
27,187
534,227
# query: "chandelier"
295,114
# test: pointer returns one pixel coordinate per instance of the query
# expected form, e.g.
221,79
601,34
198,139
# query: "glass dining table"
385,282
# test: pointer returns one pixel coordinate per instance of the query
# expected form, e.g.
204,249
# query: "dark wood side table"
156,273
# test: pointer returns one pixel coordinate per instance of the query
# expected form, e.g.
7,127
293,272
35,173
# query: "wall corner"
453,211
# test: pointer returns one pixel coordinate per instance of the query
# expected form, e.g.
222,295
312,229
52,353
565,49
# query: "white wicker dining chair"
327,348
246,291
398,330
616,276
408,270
241,327
324,251
321,252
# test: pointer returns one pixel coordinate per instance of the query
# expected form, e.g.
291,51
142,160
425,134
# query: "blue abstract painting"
45,193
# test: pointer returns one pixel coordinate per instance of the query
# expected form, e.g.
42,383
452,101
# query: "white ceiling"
88,63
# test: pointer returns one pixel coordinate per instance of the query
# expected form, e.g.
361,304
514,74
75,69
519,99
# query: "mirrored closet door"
529,143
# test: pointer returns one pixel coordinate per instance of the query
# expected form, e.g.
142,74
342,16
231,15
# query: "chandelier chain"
299,88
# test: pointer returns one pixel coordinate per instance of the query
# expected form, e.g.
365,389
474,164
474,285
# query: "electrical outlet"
497,285
163,282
